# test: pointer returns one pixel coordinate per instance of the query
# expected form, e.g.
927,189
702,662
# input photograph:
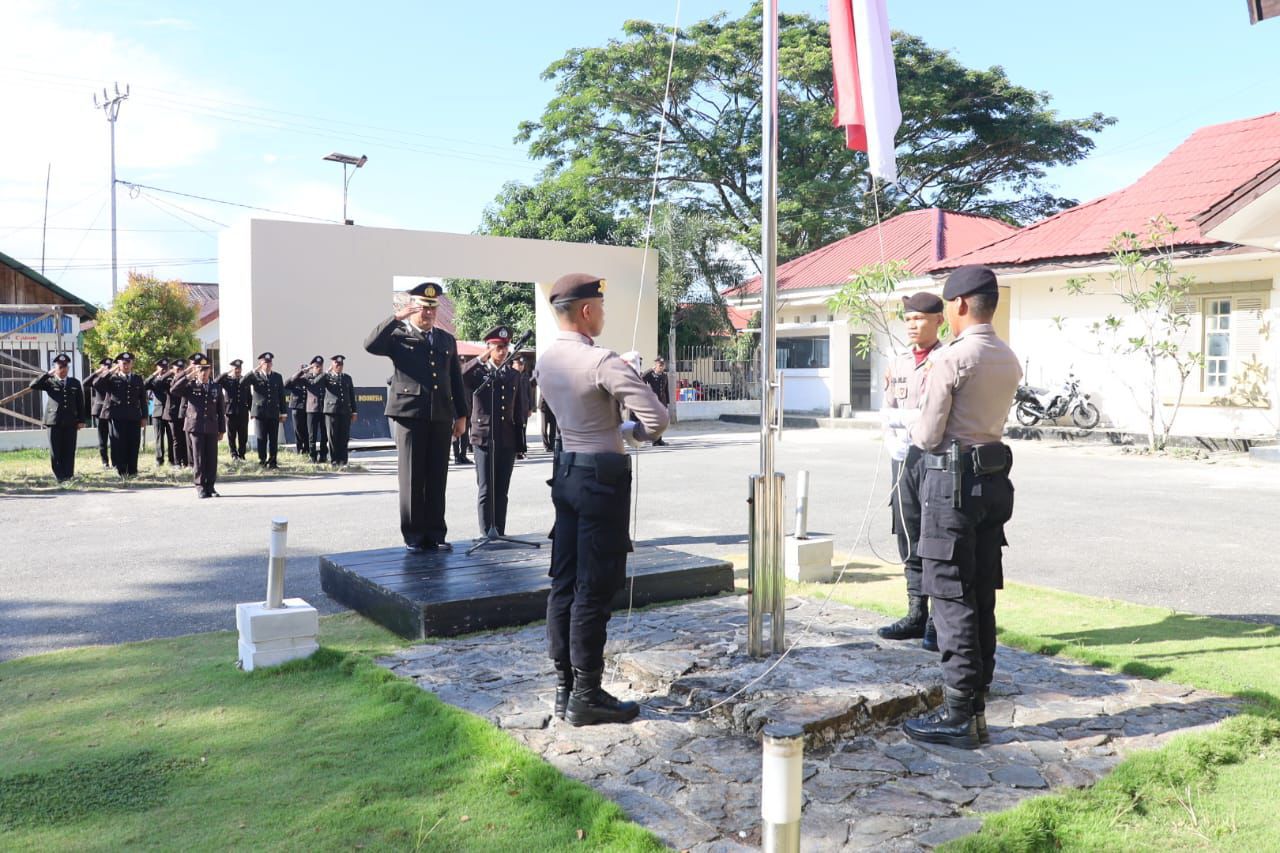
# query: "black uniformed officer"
498,410
317,432
171,416
426,402
238,397
268,407
205,424
520,364
94,397
967,498
184,429
297,387
125,407
339,408
657,379
904,385
158,385
64,415
591,488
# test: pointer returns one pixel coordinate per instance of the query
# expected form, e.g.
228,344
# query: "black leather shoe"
590,704
911,626
564,686
462,460
437,546
930,641
952,723
414,549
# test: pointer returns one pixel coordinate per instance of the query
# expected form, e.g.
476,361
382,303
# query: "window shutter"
1247,315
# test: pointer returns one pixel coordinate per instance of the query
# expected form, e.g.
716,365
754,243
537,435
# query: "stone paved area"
689,768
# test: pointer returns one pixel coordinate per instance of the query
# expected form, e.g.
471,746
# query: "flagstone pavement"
689,768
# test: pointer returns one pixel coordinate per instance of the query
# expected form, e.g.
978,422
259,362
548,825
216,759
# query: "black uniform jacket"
427,383
65,405
297,388
339,393
94,393
235,393
158,385
658,382
206,406
268,394
125,396
498,408
315,388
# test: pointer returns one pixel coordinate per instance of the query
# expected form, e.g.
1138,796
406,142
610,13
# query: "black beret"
62,358
969,280
317,360
498,334
577,285
106,362
267,356
339,358
164,362
922,303
125,356
427,292
236,362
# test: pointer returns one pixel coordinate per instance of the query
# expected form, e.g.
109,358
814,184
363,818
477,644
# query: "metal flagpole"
765,573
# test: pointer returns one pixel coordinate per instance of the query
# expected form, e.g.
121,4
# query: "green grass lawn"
165,745
1213,791
28,471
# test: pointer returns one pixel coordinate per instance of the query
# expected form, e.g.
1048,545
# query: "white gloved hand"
633,358
628,431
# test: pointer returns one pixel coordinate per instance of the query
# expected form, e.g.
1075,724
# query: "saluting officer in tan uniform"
967,499
586,385
904,386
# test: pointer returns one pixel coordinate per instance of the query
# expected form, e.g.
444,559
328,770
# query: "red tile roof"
1212,163
739,318
921,238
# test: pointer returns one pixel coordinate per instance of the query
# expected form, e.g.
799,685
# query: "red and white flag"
866,85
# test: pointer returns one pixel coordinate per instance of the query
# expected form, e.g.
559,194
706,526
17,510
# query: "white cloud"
168,24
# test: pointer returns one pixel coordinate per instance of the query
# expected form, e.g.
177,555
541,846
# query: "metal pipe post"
755,566
769,238
275,563
802,506
777,570
782,780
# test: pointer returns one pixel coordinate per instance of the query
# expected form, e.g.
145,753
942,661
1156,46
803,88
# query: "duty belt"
588,460
978,458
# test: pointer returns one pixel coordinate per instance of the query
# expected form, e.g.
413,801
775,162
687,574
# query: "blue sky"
240,101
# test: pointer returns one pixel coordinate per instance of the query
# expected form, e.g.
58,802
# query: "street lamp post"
110,105
347,174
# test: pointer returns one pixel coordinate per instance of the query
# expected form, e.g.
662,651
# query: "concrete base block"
271,637
809,560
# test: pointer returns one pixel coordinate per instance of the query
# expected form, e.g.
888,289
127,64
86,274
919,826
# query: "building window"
813,318
804,352
1217,343
831,318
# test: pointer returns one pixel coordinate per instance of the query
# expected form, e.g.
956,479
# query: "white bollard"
802,506
783,776
275,563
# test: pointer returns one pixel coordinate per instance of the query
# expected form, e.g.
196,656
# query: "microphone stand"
492,536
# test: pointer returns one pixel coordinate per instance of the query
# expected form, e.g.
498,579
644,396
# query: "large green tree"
151,318
970,139
563,207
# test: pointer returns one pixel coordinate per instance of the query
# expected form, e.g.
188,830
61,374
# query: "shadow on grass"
1172,628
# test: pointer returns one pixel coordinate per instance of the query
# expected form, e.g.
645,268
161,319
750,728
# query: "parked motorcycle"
1032,405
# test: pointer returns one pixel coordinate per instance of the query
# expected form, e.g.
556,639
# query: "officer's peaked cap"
105,362
237,362
164,362
62,358
922,303
339,358
969,280
267,356
428,292
498,334
125,356
577,285
318,360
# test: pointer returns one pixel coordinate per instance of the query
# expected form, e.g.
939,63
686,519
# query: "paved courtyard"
84,568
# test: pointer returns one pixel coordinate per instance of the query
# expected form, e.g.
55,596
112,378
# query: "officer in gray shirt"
967,498
586,386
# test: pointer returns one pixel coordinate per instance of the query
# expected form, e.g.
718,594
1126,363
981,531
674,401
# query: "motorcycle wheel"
1025,416
1086,415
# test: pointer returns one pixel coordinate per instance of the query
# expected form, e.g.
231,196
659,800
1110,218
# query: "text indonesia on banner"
866,86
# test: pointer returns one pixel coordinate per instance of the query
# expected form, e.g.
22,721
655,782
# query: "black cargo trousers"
904,503
590,542
960,551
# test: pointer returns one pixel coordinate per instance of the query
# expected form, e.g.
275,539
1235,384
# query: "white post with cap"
278,629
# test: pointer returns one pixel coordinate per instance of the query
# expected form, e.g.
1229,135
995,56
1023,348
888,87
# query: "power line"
230,203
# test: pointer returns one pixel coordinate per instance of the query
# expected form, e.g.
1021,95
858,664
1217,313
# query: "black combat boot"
589,703
930,641
911,626
564,686
952,723
980,716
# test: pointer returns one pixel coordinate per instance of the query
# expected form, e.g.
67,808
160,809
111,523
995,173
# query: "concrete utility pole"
111,107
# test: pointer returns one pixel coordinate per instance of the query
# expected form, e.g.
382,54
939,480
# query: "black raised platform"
444,594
